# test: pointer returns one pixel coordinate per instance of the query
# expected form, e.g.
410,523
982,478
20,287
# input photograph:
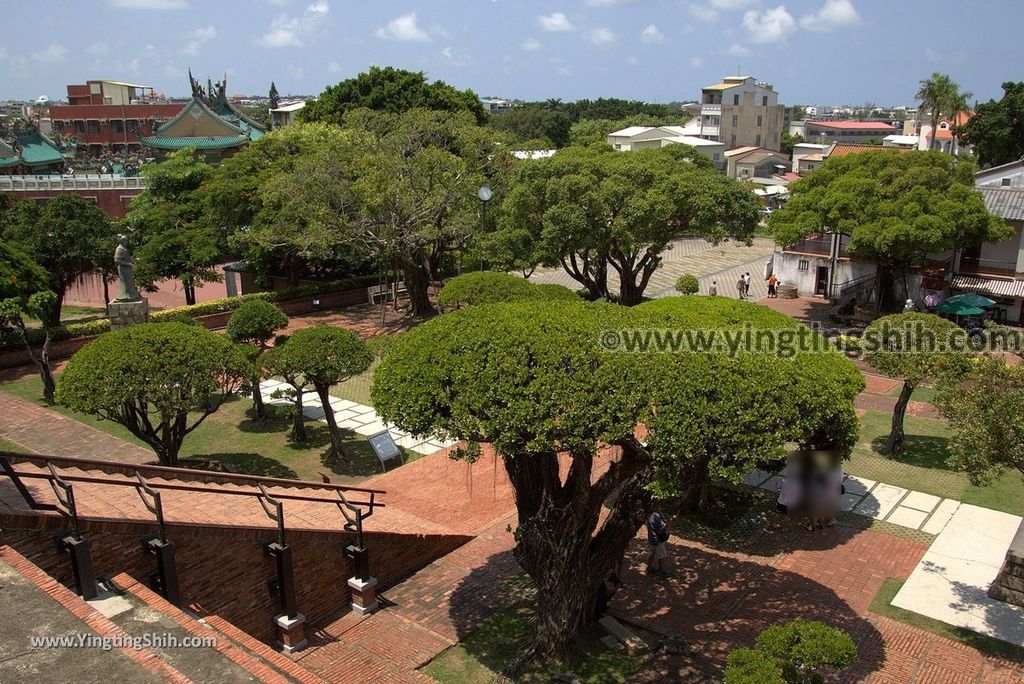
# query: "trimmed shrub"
688,284
550,292
491,287
798,652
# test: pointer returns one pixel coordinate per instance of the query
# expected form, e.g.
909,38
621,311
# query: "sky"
820,52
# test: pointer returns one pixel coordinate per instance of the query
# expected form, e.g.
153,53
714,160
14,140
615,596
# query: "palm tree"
942,97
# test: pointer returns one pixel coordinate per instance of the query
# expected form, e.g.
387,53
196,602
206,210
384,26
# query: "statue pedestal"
122,314
1009,584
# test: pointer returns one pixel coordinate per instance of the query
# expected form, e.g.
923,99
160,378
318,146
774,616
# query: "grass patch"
882,605
922,393
8,445
357,389
924,467
481,656
230,436
70,313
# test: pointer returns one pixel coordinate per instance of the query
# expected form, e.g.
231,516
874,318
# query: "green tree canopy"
391,90
534,122
592,210
997,128
159,380
532,382
325,356
489,287
20,276
914,347
255,323
985,409
942,98
69,237
170,224
897,207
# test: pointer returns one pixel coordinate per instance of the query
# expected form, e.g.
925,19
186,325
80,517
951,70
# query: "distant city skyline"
814,52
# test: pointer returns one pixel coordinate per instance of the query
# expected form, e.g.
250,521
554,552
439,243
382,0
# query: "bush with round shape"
484,287
255,323
159,380
688,284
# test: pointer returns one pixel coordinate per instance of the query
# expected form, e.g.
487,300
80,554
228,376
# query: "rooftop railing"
95,181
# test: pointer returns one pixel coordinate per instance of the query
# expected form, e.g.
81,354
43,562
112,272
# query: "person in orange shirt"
772,283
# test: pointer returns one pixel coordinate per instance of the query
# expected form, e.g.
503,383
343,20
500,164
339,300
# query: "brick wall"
224,571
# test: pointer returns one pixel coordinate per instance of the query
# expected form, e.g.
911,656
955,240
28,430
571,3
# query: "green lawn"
8,445
230,436
882,605
922,393
69,313
481,656
924,468
358,388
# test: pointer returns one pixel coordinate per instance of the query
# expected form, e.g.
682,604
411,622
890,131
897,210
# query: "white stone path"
916,510
352,416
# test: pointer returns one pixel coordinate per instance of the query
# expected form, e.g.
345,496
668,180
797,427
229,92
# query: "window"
116,126
79,126
94,126
803,265
733,142
760,120
1007,182
735,120
618,146
735,99
764,101
757,140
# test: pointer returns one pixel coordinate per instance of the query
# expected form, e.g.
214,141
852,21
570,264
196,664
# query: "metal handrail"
154,470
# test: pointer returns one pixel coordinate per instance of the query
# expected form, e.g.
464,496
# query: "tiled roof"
1007,203
852,125
843,149
988,286
199,143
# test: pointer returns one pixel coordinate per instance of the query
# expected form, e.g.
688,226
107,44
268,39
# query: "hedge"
98,327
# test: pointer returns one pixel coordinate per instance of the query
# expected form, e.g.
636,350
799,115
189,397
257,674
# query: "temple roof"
31,148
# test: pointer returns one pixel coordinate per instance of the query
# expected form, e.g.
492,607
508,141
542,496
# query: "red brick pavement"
362,319
44,431
879,402
720,601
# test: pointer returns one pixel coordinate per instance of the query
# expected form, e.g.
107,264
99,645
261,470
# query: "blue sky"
813,51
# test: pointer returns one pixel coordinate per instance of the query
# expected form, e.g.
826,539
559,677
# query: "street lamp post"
484,194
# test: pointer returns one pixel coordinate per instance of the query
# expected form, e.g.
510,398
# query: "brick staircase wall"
224,571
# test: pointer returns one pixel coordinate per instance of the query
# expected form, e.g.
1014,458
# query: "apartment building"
847,131
654,137
742,112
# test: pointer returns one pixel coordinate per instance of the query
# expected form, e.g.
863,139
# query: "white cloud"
555,22
737,50
605,3
197,39
563,71
712,9
600,36
149,4
530,45
54,52
286,31
769,26
696,62
403,28
334,68
457,57
651,34
98,48
835,14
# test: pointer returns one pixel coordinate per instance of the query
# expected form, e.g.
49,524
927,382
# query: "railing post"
166,576
362,584
290,621
72,541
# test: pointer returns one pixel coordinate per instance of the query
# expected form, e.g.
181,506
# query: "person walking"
746,284
713,290
772,284
741,287
657,537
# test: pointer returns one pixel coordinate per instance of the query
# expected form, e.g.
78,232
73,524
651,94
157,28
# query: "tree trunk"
899,411
106,290
46,373
190,294
332,425
629,293
417,282
298,420
696,492
259,410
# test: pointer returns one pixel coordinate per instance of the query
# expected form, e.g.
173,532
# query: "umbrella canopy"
956,309
971,299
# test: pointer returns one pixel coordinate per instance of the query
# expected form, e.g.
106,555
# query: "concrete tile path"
951,581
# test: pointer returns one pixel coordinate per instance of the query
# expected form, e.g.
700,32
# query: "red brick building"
110,116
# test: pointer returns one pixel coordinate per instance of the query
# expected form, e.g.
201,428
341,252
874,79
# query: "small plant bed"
231,440
481,656
881,604
924,468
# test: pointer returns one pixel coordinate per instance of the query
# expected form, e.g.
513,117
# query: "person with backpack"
657,539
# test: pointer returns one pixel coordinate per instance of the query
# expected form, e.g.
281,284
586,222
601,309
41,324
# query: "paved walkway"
42,431
724,263
951,582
